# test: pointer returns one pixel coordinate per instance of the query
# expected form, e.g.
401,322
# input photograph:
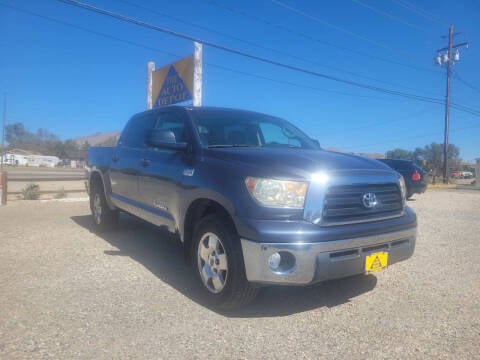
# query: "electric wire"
459,78
335,27
284,53
390,16
177,56
366,145
419,11
248,55
311,38
415,115
387,91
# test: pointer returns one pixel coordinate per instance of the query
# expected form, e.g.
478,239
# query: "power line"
247,55
457,76
410,116
362,146
419,11
158,50
330,25
390,16
289,54
311,38
465,109
291,83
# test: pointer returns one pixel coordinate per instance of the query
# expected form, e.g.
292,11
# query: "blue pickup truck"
253,200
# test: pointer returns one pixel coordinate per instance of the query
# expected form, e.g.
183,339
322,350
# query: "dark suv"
414,175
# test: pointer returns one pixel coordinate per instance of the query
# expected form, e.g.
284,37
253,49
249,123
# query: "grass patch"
60,194
31,192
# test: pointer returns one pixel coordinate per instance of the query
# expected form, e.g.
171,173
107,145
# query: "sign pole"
150,70
197,75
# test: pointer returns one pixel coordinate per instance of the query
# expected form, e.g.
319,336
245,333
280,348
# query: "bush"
31,192
60,194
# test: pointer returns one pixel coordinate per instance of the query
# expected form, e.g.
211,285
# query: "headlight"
403,188
279,193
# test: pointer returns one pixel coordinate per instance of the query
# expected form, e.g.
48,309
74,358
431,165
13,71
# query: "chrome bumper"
313,262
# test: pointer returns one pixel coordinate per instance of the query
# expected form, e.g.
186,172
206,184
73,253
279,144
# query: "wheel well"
198,210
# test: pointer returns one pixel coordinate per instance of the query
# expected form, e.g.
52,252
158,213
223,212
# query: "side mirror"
164,139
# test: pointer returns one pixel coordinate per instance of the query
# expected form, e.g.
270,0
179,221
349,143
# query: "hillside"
99,139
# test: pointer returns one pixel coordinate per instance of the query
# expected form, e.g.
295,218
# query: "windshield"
243,129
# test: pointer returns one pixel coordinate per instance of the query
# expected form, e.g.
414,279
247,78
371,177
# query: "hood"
296,163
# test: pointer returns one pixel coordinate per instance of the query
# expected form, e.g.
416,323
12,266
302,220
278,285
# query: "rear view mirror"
164,139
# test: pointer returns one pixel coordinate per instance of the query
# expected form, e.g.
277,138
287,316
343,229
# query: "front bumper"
320,261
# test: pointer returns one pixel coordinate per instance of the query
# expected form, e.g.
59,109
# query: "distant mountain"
99,139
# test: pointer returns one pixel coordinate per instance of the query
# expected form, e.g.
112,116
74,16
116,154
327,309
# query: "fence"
10,185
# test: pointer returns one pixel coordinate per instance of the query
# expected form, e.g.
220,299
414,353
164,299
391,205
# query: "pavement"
68,293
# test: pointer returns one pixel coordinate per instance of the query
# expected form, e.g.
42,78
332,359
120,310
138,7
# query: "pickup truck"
254,201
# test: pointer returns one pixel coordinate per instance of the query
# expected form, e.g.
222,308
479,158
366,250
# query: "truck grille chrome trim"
346,203
354,196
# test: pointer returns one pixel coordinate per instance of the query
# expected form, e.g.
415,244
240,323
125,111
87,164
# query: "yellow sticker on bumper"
376,262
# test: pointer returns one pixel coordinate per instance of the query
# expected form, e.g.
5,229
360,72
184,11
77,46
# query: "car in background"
456,175
467,175
413,174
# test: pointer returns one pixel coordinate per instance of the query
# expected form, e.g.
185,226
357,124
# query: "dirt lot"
68,293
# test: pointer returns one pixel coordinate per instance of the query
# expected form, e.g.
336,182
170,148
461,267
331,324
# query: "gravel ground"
67,293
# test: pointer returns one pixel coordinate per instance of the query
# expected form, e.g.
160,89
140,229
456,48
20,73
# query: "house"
42,161
20,157
16,157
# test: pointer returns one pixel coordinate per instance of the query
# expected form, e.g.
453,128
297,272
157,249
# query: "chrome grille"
343,203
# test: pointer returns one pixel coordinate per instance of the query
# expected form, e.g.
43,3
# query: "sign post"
150,70
197,75
3,187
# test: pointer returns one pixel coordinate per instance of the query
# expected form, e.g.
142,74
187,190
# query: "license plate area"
376,261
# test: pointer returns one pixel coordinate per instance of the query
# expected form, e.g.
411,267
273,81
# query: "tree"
42,142
433,156
400,154
16,134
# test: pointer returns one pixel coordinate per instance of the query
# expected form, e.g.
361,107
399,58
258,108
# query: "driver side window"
275,135
174,122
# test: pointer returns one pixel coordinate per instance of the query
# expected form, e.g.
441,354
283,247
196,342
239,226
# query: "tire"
103,217
218,264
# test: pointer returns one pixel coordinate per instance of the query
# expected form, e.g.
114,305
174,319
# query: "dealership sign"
175,83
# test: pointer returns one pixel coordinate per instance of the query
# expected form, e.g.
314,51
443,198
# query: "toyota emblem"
369,200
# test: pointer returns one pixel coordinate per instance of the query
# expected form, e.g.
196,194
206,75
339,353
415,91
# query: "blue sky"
76,73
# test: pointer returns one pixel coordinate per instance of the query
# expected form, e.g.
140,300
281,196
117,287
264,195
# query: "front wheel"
219,263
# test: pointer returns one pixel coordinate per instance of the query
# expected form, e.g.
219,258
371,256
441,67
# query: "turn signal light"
416,176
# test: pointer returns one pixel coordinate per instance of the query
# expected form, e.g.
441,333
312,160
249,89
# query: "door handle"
145,162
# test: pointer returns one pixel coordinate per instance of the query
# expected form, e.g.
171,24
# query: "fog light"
274,261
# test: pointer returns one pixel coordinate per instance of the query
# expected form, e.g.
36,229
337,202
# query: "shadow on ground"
161,254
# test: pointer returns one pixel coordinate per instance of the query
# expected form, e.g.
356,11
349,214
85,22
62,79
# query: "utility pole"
446,57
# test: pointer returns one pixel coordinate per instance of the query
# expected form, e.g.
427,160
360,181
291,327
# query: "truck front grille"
344,203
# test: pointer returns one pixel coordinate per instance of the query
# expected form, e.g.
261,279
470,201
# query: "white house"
42,160
16,157
19,157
